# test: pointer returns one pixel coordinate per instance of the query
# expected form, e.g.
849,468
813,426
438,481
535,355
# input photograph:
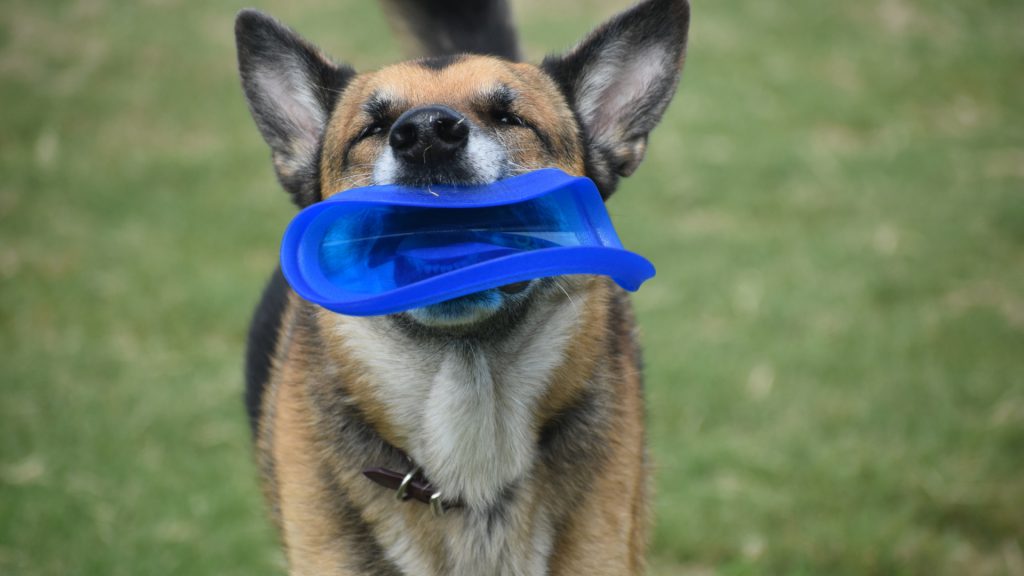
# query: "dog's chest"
470,414
469,411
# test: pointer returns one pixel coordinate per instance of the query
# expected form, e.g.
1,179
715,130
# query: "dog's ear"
291,88
620,79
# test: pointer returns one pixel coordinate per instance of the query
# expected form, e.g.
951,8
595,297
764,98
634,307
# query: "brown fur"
464,86
604,533
323,414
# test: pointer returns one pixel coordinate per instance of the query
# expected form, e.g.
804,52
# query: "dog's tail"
446,27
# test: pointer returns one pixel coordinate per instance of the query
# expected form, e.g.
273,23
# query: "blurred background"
834,341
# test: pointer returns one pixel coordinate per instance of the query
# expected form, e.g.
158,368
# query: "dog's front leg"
314,540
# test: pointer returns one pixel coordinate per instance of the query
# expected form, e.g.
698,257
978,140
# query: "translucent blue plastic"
385,249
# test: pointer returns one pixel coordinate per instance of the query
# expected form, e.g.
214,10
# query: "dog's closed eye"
375,129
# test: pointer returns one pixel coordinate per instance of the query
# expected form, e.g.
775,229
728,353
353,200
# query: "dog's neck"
466,411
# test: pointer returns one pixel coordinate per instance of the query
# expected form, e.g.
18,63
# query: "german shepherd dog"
509,423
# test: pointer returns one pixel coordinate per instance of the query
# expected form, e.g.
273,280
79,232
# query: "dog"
493,434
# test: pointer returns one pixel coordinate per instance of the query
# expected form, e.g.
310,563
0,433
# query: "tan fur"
569,379
605,532
312,543
462,86
608,535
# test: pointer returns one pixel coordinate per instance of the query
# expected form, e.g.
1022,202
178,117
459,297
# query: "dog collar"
412,485
385,249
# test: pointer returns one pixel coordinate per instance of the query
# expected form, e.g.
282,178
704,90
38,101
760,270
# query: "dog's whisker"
575,308
368,175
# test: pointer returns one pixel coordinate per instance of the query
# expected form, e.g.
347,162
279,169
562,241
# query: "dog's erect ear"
620,79
291,88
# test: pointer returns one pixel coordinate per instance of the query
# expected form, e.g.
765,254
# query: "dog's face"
458,120
463,120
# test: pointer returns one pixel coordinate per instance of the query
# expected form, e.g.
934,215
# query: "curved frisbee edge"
628,269
301,266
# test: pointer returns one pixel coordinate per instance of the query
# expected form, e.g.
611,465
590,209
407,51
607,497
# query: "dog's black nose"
429,135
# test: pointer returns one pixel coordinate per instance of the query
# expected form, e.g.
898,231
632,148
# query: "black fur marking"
545,140
344,431
350,436
438,63
616,319
262,342
269,52
365,554
574,445
445,27
501,98
380,107
312,187
382,112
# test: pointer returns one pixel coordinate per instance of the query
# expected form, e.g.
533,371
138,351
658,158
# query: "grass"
834,341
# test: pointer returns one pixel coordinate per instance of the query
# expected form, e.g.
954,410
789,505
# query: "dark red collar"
412,485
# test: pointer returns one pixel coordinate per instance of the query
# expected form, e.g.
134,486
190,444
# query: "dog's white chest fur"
469,412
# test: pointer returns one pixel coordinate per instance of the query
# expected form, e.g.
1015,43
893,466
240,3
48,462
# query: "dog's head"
463,119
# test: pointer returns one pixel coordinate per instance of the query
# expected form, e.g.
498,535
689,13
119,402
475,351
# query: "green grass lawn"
834,341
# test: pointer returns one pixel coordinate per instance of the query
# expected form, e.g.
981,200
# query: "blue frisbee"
385,249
